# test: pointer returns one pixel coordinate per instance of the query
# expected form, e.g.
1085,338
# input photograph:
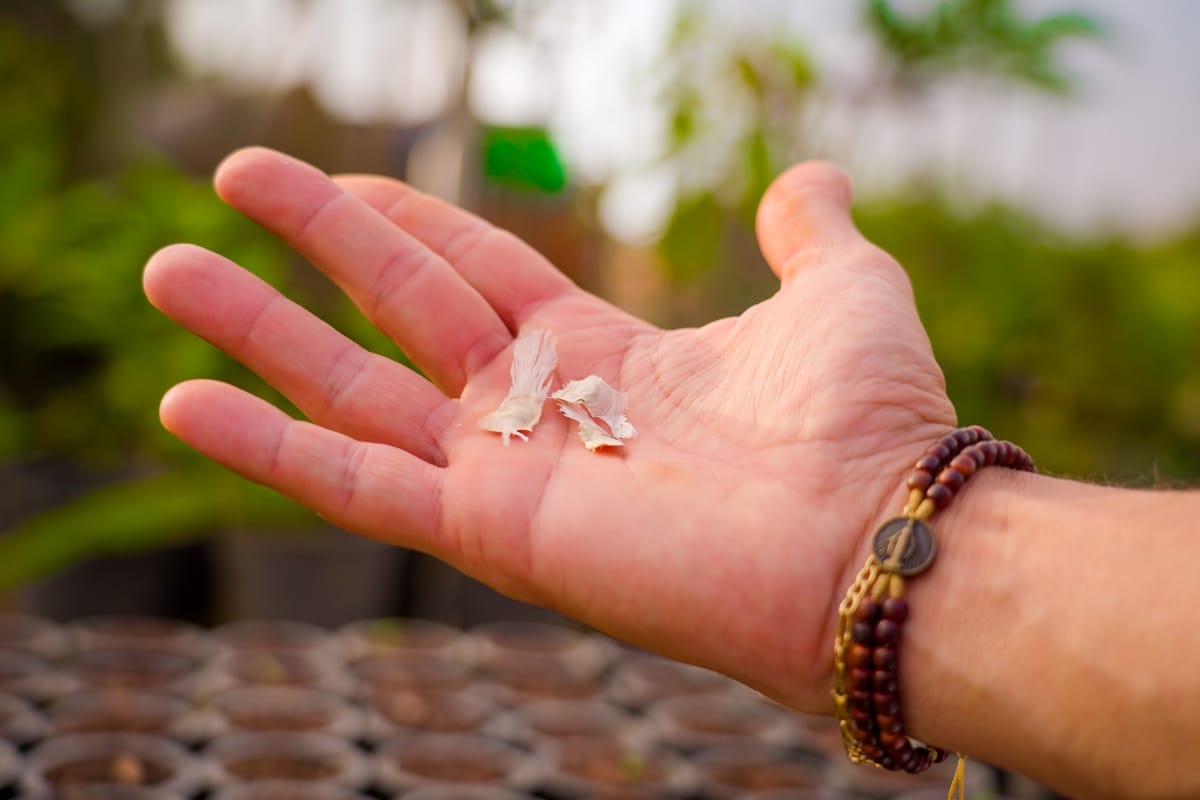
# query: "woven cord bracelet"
871,617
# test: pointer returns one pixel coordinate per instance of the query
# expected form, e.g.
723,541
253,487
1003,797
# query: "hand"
769,445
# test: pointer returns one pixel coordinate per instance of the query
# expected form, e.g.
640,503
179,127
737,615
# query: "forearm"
1053,635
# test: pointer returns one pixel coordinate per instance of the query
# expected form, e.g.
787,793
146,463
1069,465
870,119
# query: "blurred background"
1033,164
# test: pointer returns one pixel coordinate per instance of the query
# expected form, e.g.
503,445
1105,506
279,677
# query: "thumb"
804,218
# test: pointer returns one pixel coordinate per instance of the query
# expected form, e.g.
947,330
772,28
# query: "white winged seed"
591,434
533,362
601,401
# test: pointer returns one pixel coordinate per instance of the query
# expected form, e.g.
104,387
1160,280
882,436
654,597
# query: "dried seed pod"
534,359
591,434
601,401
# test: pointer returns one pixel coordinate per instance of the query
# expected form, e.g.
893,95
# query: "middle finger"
444,325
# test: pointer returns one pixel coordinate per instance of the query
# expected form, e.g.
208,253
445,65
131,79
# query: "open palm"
769,444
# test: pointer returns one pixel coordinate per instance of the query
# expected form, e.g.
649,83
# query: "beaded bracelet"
871,617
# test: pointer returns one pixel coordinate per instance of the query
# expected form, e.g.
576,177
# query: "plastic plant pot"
135,669
610,769
938,793
404,635
286,790
810,733
501,647
466,793
286,755
417,711
795,794
31,634
105,791
124,759
286,708
295,668
544,721
734,770
20,723
10,767
129,711
31,677
277,634
408,763
133,632
395,672
641,680
525,680
689,723
871,782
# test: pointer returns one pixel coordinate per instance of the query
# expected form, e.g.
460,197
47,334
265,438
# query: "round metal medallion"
915,540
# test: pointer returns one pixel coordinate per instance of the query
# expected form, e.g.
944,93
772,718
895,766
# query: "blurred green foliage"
985,36
1087,352
525,159
85,357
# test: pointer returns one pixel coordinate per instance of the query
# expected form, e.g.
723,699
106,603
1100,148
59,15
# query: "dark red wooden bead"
990,452
891,741
942,755
887,631
886,762
978,454
929,463
965,464
921,761
863,633
895,609
983,433
872,751
860,655
886,703
939,494
883,680
860,698
951,479
860,678
965,437
940,450
863,719
884,657
888,722
867,611
865,738
920,479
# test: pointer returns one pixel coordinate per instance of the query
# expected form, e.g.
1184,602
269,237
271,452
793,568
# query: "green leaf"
524,158
693,242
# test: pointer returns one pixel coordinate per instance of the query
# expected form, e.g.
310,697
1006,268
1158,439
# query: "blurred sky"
1121,154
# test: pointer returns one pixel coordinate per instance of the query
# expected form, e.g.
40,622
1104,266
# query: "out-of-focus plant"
984,36
738,101
1085,350
85,357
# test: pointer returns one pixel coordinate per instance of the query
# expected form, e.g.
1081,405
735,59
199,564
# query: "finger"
513,277
804,218
331,379
364,487
409,292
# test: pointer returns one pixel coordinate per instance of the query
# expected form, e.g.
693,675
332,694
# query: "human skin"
770,445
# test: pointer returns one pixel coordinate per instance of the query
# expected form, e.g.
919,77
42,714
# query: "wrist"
868,646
